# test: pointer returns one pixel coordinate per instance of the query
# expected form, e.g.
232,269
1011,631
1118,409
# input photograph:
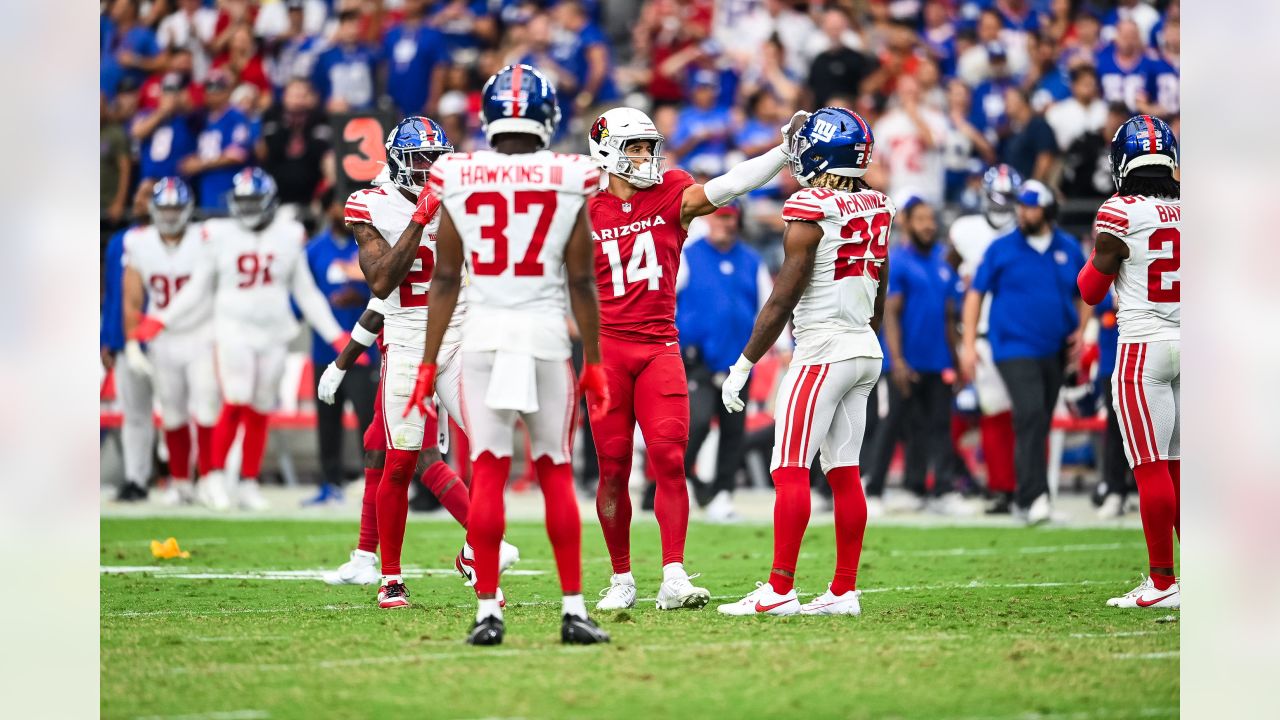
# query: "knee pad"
667,459
406,435
614,451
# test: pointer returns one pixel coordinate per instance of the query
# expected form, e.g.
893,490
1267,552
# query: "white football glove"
786,130
137,358
732,386
327,388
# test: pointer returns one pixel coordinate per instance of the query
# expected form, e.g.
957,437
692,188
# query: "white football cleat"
829,604
249,496
620,595
875,507
465,562
720,509
211,493
1147,596
677,592
953,504
178,493
508,555
361,569
763,601
1040,511
1111,508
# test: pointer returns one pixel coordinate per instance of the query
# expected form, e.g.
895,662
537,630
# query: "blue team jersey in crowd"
324,252
1033,306
694,120
346,72
1121,84
412,54
716,309
987,113
159,153
927,284
230,129
1163,85
139,40
569,50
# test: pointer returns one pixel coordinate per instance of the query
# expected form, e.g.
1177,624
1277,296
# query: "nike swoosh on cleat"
766,608
1149,603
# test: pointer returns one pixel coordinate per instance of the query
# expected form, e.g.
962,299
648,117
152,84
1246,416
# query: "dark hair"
1081,70
1146,181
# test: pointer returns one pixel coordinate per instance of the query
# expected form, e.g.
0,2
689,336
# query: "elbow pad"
745,177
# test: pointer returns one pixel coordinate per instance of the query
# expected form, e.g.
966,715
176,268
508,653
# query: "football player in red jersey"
641,220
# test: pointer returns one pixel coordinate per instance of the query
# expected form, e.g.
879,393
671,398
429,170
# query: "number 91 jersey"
832,320
638,253
405,309
1148,286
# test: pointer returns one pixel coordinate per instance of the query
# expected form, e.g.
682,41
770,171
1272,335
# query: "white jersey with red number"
832,320
1148,287
405,309
166,268
515,214
251,276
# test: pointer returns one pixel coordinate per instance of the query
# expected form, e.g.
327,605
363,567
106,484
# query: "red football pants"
647,385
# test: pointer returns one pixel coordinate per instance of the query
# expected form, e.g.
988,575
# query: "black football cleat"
486,632
581,631
131,491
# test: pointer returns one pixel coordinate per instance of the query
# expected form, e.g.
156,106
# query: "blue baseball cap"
1034,193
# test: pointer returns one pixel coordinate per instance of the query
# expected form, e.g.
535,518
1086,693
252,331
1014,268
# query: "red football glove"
595,386
426,207
423,389
341,344
147,329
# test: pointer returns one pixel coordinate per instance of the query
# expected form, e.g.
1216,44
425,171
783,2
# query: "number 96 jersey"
1148,287
832,320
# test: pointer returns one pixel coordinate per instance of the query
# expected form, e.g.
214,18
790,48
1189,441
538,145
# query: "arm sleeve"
313,304
745,177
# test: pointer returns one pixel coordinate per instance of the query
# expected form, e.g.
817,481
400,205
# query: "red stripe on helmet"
517,74
1151,132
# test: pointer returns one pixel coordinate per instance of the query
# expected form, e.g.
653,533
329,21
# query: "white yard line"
1147,656
217,715
1025,550
1118,633
1094,714
181,573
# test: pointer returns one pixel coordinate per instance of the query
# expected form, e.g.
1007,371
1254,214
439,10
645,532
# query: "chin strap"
745,177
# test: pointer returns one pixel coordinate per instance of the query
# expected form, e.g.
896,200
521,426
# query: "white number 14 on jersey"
643,266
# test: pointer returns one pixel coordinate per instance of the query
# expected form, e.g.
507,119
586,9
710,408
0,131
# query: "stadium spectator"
416,61
189,27
1082,112
721,286
1123,67
939,35
1163,84
331,257
977,63
178,66
963,142
1086,169
115,163
295,139
704,127
464,28
581,46
293,51
766,73
129,48
1139,12
343,74
987,110
910,139
840,69
1030,146
1046,81
164,134
222,145
1035,328
742,36
1083,39
245,66
919,331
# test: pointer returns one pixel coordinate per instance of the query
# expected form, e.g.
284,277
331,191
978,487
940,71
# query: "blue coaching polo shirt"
716,309
325,253
1032,294
926,283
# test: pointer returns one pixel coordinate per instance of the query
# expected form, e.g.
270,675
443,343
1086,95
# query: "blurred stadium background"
307,89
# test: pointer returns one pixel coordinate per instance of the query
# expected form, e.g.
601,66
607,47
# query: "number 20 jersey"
405,309
832,320
515,214
638,245
1148,286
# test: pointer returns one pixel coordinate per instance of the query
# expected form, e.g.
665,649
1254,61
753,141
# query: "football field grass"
976,622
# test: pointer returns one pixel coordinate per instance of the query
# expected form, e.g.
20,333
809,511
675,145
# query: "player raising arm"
257,260
836,253
518,216
641,222
1138,237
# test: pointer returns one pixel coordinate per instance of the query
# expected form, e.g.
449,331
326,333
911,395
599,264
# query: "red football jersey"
638,244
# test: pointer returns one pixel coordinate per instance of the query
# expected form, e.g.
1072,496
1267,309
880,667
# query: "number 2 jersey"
832,320
515,214
404,311
1148,286
638,244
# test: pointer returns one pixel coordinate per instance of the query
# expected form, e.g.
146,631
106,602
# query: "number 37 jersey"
1148,286
832,320
515,214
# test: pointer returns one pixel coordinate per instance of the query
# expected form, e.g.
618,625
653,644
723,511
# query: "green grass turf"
956,624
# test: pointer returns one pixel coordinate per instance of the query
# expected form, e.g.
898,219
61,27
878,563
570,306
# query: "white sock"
365,554
673,570
490,608
249,481
574,605
622,579
388,579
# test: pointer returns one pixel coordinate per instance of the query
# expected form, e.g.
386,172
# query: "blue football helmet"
833,140
253,198
1143,141
171,206
413,146
999,193
518,99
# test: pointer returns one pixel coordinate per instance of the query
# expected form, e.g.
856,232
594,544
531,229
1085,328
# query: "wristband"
743,365
363,336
